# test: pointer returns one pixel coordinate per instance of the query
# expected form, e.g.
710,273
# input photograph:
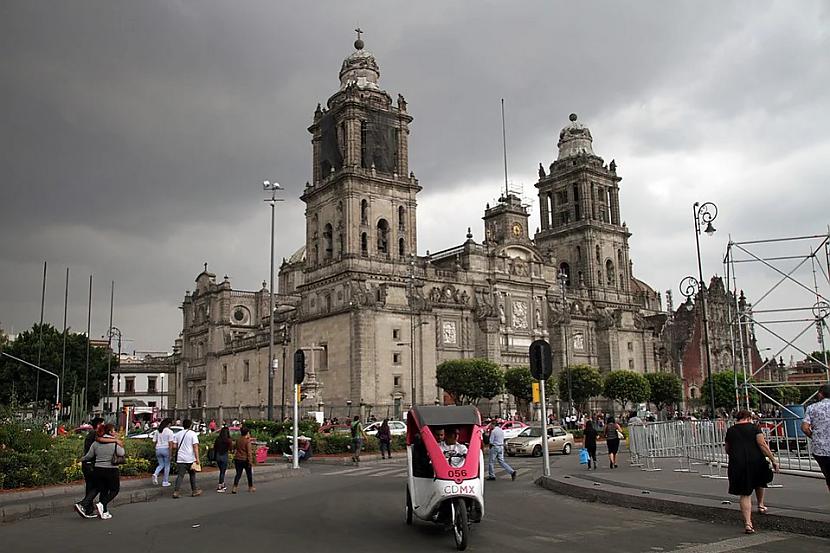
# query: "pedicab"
443,486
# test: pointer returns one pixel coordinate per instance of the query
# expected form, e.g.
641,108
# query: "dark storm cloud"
135,134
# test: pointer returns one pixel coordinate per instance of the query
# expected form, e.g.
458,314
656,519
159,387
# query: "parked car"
151,435
512,428
529,442
397,428
336,429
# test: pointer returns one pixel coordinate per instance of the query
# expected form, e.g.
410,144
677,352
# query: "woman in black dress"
590,441
748,470
612,440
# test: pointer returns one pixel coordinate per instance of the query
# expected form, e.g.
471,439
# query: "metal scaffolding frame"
812,313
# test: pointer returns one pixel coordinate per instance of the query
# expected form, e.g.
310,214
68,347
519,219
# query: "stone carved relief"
363,294
518,267
519,315
449,295
483,307
558,312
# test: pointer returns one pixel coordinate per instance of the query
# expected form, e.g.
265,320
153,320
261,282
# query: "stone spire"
360,68
575,139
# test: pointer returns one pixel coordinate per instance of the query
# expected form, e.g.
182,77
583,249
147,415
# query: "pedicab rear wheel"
460,524
408,507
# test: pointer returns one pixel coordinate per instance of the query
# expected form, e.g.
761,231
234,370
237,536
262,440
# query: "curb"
347,461
57,499
705,510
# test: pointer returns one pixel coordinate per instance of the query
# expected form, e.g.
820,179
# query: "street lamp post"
705,213
271,187
411,286
349,404
286,334
563,282
114,331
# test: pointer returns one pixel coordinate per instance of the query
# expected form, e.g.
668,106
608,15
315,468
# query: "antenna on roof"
504,147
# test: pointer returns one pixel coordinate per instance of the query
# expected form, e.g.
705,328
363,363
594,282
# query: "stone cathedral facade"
372,312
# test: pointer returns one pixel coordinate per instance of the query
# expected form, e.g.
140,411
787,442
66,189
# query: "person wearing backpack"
187,459
106,475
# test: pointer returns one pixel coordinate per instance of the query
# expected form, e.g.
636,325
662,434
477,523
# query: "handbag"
620,435
116,458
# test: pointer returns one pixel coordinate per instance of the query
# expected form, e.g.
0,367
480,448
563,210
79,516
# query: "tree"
626,386
724,383
785,395
25,347
4,338
518,382
665,389
586,383
469,380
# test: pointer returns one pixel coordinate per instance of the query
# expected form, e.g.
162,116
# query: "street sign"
541,363
299,366
536,394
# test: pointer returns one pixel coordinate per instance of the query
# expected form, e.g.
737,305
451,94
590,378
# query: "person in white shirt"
186,456
164,452
455,452
497,453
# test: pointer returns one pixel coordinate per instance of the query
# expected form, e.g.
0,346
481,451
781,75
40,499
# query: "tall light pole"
412,326
271,187
705,213
563,283
115,331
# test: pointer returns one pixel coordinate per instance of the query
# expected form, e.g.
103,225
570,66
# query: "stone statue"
435,294
483,308
541,172
401,102
613,166
502,316
539,317
464,298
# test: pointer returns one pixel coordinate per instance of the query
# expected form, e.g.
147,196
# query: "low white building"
144,382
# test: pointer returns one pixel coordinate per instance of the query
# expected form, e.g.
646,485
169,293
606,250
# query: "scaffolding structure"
795,302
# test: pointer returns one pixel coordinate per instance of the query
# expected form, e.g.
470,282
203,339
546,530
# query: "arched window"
620,262
599,258
566,269
401,218
401,248
339,244
610,278
550,207
383,237
364,212
327,242
364,245
364,135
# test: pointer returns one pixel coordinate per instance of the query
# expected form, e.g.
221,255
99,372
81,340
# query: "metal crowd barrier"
701,443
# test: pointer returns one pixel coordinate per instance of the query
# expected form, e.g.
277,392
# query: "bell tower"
580,217
361,201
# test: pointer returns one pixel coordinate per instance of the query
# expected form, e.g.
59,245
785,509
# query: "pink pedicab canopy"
422,423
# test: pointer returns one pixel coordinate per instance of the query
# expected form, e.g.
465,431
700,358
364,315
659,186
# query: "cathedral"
375,318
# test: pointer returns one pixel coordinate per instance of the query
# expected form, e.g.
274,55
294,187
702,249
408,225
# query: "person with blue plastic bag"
589,437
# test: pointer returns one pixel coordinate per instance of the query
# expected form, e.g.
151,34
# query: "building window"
328,247
562,197
396,333
630,364
151,404
566,269
364,245
151,384
246,371
692,393
364,212
383,237
324,357
577,206
396,381
609,273
401,248
396,358
630,346
364,136
401,218
224,374
129,384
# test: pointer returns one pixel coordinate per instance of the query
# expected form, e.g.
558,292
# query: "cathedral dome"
575,139
360,69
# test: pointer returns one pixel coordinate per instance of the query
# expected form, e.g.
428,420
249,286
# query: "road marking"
346,471
368,471
733,544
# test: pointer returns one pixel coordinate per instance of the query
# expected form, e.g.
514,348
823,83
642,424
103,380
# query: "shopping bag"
584,457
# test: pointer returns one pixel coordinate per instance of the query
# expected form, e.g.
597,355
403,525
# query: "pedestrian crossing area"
374,470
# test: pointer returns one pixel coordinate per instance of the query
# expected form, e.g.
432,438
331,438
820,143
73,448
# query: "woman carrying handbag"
106,475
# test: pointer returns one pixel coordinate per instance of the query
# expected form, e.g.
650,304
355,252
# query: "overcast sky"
136,135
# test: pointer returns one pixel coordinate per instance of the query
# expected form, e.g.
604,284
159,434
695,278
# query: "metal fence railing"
692,444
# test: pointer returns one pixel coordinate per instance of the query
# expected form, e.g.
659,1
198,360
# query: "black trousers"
107,483
240,466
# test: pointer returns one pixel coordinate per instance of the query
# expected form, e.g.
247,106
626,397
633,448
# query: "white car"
397,428
151,435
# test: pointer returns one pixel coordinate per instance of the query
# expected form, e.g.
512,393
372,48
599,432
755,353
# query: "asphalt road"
338,508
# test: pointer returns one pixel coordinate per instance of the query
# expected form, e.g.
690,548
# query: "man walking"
357,439
497,453
187,456
816,426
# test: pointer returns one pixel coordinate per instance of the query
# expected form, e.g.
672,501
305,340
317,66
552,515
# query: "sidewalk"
49,500
801,505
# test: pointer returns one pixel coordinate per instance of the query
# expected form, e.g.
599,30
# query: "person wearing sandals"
748,470
105,474
243,459
221,446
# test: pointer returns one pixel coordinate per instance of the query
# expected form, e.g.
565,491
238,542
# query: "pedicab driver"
455,452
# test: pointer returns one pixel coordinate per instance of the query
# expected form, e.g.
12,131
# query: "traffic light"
299,366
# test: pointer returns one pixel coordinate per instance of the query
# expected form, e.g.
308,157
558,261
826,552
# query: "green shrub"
133,466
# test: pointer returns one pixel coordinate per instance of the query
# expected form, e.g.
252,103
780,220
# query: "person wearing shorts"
816,426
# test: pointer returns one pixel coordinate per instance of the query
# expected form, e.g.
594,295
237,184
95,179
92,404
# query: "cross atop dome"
358,44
